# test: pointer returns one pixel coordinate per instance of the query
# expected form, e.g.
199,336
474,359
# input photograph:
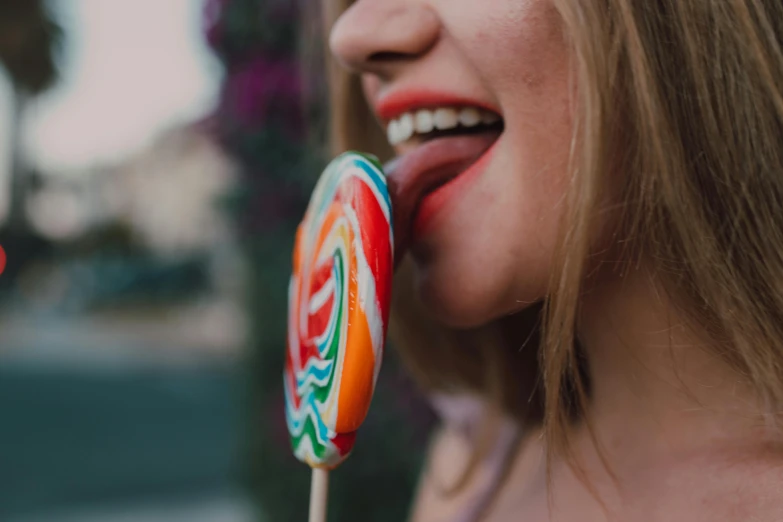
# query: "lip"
397,103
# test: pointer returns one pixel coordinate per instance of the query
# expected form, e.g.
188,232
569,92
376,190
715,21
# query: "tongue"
418,172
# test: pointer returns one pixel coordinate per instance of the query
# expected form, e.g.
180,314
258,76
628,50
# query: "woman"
595,185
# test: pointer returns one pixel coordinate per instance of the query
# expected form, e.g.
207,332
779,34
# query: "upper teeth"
444,118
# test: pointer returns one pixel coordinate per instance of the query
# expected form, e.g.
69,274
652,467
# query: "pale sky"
131,68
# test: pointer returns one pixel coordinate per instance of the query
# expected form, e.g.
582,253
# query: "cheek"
494,254
370,86
531,203
519,45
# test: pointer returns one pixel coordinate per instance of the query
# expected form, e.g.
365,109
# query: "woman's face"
476,100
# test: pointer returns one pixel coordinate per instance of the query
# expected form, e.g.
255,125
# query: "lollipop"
339,299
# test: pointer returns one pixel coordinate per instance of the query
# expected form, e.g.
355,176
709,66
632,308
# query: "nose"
377,36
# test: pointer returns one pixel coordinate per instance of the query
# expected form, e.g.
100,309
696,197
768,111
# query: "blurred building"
168,195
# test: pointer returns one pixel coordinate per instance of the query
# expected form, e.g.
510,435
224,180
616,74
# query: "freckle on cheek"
528,47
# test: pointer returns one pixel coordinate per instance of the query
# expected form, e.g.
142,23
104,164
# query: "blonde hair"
685,97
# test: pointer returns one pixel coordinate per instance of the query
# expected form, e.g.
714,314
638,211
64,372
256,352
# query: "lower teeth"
461,131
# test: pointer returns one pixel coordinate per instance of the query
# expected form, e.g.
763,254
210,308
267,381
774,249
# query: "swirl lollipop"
339,299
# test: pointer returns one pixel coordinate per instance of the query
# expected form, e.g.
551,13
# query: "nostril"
387,56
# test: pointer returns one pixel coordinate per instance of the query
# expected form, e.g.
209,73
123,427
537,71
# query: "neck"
658,386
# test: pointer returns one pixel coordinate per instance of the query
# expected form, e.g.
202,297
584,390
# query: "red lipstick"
397,103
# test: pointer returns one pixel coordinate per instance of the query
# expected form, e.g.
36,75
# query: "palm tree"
29,39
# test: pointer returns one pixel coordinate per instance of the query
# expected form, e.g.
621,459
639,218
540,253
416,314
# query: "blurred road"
228,509
113,441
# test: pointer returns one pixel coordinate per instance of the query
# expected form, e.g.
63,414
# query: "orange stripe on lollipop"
358,368
297,260
332,215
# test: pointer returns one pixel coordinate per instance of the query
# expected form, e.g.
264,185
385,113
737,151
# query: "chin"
462,297
454,302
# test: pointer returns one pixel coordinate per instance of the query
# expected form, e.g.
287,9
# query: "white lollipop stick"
319,491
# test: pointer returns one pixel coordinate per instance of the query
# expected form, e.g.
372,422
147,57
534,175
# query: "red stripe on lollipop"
377,253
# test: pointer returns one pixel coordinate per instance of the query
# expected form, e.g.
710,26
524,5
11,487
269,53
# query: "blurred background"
155,158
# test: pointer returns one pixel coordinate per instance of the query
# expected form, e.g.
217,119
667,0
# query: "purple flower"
211,21
265,88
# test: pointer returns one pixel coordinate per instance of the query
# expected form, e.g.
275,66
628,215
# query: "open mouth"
437,148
